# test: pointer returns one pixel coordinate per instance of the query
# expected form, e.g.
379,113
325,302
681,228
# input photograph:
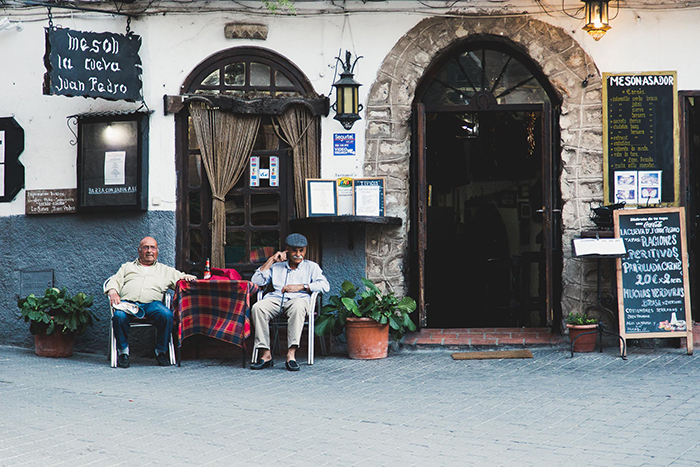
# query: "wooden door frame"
687,199
551,199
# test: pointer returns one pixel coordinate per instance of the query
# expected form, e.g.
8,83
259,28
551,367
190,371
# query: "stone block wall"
572,73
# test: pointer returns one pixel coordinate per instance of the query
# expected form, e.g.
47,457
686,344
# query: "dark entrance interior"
484,262
690,111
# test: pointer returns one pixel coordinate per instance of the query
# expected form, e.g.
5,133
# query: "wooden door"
551,213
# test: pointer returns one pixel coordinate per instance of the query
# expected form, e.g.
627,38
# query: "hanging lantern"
347,102
596,17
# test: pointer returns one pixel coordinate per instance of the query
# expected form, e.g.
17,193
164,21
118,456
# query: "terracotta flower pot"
55,345
367,339
585,343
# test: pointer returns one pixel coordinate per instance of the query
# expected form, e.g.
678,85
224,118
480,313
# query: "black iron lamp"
596,17
347,106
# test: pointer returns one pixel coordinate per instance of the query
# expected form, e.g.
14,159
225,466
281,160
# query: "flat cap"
296,240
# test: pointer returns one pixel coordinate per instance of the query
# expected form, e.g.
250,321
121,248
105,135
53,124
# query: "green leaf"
350,304
393,323
370,285
407,303
324,326
347,286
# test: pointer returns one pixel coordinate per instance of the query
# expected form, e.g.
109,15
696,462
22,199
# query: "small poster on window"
115,168
254,168
274,171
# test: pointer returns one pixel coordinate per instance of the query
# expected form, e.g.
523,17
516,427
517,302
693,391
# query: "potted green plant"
368,318
55,318
578,324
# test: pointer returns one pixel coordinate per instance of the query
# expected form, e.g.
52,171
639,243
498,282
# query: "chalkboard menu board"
640,138
91,64
653,289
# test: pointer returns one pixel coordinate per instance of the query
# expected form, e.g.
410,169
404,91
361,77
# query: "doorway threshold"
482,337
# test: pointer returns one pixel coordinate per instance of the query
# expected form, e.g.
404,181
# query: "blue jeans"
156,312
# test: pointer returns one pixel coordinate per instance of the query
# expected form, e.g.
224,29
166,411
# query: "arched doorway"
391,138
254,81
486,207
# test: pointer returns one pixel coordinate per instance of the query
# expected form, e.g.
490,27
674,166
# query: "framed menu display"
641,138
321,197
369,196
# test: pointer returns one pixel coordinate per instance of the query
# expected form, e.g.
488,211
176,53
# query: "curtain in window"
226,141
302,131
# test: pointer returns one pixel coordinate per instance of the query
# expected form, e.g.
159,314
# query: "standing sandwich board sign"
652,280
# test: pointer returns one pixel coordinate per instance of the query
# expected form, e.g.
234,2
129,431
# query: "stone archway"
571,72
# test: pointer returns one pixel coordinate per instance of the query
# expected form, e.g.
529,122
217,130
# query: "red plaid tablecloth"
218,309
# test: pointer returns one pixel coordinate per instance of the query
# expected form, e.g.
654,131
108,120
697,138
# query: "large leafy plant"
57,311
370,303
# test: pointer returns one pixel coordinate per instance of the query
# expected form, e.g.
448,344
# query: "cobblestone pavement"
417,407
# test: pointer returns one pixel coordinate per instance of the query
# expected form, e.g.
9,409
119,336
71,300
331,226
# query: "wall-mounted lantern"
347,106
596,18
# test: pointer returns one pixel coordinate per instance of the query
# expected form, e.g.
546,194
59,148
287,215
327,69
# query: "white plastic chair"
136,323
281,321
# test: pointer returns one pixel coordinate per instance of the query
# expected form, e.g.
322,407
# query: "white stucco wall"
173,45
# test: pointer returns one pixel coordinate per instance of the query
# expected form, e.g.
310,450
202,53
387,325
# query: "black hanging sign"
92,64
653,285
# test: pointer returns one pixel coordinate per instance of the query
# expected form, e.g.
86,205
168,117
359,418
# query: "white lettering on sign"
101,65
93,64
646,80
108,46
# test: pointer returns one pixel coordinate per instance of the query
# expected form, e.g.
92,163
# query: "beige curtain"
302,131
226,141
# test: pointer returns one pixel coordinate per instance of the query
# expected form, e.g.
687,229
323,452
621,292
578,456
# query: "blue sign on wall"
344,144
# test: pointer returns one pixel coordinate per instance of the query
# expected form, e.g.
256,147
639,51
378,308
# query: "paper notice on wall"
322,199
345,196
367,200
115,167
2,147
650,187
2,179
626,187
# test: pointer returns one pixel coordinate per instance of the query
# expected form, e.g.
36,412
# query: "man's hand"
190,278
279,256
293,288
114,298
276,258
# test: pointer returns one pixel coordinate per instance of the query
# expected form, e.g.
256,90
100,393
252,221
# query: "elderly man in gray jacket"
294,279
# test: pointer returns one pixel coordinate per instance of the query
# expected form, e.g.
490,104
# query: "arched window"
247,72
260,204
482,73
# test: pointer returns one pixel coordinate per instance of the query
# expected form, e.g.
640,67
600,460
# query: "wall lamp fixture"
347,106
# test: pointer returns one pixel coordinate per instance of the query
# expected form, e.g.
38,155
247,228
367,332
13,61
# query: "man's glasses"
149,247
